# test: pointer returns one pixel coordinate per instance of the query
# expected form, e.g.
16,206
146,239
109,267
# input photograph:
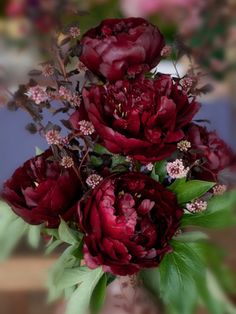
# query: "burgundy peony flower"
122,46
143,118
212,152
41,191
128,220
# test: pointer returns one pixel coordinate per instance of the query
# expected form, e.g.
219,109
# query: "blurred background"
202,34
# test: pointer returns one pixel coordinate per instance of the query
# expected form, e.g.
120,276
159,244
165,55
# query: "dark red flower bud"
122,46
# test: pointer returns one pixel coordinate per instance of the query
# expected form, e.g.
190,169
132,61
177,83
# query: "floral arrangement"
122,190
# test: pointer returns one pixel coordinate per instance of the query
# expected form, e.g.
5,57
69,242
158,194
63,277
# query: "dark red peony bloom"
212,152
128,221
122,46
41,191
143,118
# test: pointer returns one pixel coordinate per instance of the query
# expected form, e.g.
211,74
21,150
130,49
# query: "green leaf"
208,300
52,246
191,236
187,191
98,295
96,161
38,151
118,160
99,149
66,234
66,260
51,232
179,271
176,183
159,170
34,236
151,280
71,277
12,229
80,299
220,213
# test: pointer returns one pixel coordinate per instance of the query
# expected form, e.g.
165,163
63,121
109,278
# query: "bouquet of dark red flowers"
131,177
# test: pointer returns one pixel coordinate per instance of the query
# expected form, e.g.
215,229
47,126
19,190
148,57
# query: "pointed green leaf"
12,229
179,271
66,260
151,280
38,151
66,234
96,161
99,149
159,170
190,190
80,299
98,295
52,246
191,236
34,236
220,213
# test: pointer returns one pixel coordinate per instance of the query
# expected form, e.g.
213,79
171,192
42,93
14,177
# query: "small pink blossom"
74,32
53,137
196,206
219,189
65,93
67,162
184,146
93,180
129,159
176,169
76,99
48,70
37,94
86,127
64,141
166,51
149,166
186,83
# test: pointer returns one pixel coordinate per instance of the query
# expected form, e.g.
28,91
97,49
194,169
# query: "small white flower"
184,146
48,70
186,83
53,137
76,99
166,51
93,180
74,31
37,94
149,166
65,93
219,189
67,162
86,127
176,169
197,206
